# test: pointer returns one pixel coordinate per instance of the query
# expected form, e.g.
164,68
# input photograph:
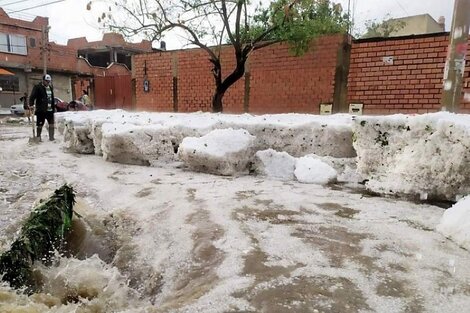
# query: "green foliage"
384,28
42,233
299,22
225,21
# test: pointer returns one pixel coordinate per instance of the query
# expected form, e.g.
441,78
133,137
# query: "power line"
37,6
22,15
14,2
399,4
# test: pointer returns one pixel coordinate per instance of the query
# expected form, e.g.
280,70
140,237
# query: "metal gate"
113,92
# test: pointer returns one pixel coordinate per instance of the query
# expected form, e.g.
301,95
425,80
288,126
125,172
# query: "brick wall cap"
380,39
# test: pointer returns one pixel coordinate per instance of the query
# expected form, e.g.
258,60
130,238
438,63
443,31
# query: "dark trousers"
43,116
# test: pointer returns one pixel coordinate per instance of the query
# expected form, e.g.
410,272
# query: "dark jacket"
39,98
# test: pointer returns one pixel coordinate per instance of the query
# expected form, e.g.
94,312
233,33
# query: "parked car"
61,106
76,105
17,109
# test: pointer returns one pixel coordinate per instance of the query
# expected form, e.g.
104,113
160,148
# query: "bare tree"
208,24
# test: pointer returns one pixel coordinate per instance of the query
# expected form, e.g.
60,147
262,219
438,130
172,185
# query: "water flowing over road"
155,239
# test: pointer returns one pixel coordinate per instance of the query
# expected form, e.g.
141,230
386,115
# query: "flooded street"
164,239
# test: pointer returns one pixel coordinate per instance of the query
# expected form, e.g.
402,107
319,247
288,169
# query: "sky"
70,18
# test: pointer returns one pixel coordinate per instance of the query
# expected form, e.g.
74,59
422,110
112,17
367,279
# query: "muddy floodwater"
165,239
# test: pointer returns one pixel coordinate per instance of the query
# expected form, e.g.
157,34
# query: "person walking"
42,98
86,100
27,110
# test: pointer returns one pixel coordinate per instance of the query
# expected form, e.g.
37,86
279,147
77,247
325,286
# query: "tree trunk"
217,106
221,87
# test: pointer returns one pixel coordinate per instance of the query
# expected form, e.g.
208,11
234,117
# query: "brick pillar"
340,96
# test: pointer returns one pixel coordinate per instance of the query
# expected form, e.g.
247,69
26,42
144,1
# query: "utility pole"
455,62
45,47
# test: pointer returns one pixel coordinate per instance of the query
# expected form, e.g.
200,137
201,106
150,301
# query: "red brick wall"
31,30
465,104
279,81
109,39
195,81
159,74
62,58
412,84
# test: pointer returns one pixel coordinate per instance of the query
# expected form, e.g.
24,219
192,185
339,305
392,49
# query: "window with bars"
13,44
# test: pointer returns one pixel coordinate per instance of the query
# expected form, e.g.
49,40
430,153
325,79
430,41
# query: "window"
9,83
13,44
4,43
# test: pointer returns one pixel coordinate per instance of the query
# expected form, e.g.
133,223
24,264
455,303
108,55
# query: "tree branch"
264,44
225,19
240,6
195,38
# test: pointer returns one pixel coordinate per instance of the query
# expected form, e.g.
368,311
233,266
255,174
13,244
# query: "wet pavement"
189,242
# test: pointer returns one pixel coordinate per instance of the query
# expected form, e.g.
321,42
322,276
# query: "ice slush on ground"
241,213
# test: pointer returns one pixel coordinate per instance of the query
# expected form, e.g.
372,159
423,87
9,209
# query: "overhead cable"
37,6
